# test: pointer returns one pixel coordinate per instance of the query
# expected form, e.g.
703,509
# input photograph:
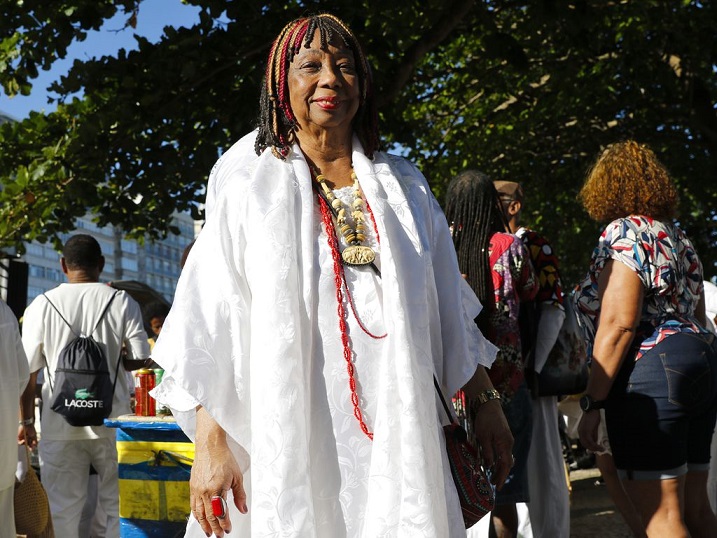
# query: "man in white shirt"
66,452
13,379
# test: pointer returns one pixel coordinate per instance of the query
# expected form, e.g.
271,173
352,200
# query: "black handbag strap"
443,400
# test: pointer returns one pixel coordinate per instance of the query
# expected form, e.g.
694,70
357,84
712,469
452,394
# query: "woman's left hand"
588,431
495,440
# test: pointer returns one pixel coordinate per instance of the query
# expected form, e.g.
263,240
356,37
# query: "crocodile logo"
83,394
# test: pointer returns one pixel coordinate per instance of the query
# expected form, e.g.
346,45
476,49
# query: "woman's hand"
588,431
495,440
215,471
491,429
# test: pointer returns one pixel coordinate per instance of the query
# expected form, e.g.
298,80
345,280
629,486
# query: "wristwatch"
27,422
487,396
588,404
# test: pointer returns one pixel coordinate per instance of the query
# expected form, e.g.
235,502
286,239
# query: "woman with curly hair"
654,364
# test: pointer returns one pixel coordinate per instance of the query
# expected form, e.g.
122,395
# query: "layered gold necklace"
355,253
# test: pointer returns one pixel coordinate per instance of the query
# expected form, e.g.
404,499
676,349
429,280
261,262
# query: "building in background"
153,263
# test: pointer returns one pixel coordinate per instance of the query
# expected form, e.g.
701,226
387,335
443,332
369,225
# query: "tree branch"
452,16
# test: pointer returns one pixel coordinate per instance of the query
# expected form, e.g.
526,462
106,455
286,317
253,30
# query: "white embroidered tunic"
253,336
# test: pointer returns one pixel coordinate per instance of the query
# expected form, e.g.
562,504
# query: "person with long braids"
497,267
314,310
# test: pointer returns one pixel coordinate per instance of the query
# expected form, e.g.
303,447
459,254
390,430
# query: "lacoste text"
84,403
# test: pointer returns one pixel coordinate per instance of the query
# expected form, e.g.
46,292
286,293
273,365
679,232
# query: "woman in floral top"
496,265
654,365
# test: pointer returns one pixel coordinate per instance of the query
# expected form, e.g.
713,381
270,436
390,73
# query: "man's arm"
137,364
27,434
33,327
135,353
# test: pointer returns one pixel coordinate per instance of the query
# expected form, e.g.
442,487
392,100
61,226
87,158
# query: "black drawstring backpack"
83,390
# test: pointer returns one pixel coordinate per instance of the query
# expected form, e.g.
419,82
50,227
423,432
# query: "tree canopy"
523,90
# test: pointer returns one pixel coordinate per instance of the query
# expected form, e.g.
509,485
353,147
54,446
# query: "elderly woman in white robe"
316,306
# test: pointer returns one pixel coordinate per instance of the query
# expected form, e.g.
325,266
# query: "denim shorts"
519,414
661,410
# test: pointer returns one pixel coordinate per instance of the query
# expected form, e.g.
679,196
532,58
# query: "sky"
153,16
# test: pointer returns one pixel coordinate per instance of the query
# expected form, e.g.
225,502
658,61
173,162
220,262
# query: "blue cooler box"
155,459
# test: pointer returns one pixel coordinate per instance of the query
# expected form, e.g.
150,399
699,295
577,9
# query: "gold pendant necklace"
356,253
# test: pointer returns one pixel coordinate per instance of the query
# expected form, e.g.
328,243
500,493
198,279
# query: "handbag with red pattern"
476,493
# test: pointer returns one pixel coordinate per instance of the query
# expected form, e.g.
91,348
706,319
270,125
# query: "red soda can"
144,404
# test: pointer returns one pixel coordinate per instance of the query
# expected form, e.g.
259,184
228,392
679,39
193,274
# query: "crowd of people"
326,292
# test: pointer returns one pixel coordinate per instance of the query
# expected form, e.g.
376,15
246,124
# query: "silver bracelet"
27,422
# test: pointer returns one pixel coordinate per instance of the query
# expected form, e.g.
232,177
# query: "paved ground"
592,512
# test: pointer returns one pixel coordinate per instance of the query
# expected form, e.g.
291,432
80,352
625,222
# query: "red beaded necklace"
340,283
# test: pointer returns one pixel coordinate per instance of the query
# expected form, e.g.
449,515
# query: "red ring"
219,507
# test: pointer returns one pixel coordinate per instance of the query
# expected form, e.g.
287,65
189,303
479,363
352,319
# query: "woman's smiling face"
324,86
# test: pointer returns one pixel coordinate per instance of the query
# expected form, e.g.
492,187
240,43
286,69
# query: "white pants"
65,467
549,504
7,512
94,519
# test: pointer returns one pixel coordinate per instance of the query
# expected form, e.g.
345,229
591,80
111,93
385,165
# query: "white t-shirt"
44,335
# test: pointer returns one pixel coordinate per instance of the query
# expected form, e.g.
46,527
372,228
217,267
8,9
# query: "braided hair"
474,211
277,123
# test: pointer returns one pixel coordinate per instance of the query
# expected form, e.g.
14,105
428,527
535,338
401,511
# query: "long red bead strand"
339,281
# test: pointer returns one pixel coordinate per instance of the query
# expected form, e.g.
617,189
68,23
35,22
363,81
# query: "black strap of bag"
443,401
102,315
